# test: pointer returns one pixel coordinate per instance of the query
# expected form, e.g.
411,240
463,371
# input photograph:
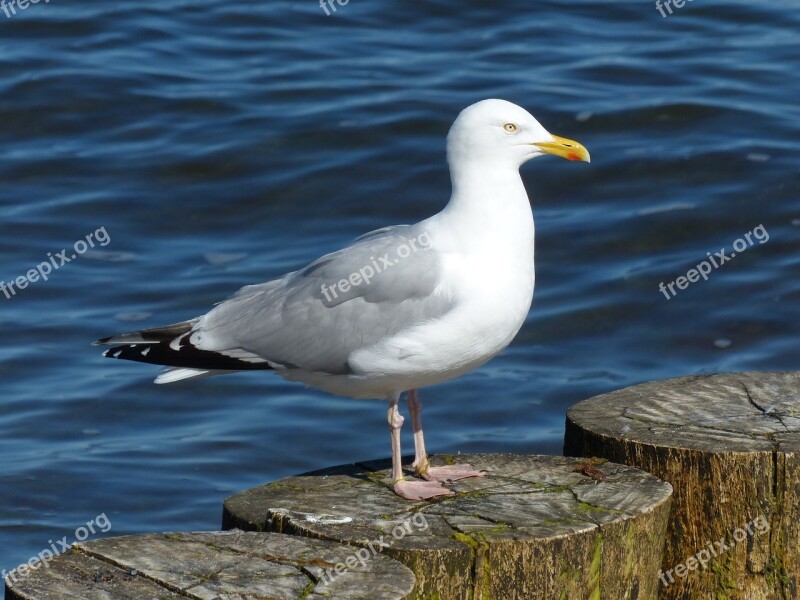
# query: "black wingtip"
101,341
186,356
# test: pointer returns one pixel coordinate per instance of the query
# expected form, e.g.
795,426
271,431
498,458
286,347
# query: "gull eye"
510,128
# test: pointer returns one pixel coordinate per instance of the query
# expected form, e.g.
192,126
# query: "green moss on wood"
594,569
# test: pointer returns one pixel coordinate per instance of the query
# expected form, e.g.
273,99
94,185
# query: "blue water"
220,143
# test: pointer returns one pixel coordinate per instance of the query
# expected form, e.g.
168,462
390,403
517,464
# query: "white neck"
487,199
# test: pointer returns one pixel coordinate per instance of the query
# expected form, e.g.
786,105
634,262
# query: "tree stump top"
515,530
729,444
728,412
540,496
210,566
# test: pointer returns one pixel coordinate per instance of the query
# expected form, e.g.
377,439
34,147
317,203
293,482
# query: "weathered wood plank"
211,566
729,445
536,527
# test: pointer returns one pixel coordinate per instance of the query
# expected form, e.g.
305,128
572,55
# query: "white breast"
488,269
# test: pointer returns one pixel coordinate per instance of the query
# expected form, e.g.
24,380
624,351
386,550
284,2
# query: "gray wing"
315,318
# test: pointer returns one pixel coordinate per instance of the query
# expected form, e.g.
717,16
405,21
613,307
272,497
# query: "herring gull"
400,308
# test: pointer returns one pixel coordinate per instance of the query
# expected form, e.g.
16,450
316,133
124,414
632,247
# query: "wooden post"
215,565
536,527
729,446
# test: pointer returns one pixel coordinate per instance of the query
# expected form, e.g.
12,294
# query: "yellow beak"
565,148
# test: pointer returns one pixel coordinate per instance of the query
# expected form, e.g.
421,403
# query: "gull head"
499,132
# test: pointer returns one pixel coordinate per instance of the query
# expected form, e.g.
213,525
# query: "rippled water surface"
220,143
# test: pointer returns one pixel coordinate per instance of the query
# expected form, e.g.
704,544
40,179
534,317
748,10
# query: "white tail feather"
179,373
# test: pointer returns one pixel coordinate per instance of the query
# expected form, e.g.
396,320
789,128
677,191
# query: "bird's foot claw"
451,473
420,490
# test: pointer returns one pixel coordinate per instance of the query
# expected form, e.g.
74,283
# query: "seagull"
402,307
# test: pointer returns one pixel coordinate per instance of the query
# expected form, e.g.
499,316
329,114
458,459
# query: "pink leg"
421,465
411,490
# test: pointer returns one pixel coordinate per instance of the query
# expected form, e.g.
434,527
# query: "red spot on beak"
573,156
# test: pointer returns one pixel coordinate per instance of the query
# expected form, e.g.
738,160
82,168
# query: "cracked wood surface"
212,566
728,444
535,527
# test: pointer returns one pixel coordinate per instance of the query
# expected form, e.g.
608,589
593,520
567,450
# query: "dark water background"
223,143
